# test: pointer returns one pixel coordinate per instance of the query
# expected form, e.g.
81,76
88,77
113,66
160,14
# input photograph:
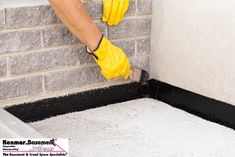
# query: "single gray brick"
58,36
132,8
143,46
144,7
94,8
142,63
30,16
128,46
72,78
20,41
38,61
2,19
84,57
131,28
3,67
20,87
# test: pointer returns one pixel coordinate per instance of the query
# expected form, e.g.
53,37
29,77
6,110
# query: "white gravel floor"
140,128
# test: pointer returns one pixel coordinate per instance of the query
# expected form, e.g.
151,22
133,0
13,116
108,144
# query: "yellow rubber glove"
114,11
112,60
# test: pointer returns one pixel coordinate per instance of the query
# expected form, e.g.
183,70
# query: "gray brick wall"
44,60
18,41
127,45
144,7
2,19
143,46
30,16
131,28
72,78
3,66
39,56
20,87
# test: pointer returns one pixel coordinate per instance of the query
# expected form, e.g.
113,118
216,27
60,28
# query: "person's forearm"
75,17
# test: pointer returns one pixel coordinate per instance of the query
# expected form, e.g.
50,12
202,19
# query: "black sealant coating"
40,110
204,107
207,108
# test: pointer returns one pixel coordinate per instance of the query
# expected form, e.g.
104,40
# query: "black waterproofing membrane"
204,107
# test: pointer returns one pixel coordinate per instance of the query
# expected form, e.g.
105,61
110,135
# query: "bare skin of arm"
75,17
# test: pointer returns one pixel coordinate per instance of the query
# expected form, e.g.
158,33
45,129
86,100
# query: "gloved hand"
111,59
114,11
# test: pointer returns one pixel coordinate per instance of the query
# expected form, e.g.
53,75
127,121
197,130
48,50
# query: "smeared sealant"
77,102
138,128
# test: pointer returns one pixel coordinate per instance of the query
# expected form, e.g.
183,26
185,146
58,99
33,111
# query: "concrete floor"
140,128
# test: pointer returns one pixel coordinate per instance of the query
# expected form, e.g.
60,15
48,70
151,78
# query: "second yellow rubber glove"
114,11
112,60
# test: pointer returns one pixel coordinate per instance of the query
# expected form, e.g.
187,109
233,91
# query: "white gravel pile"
139,128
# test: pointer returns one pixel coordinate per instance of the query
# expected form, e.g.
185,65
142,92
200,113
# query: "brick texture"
57,36
94,8
60,35
40,56
14,88
132,8
128,46
3,68
30,16
46,60
84,57
142,63
102,26
143,46
2,19
144,7
20,41
131,28
72,78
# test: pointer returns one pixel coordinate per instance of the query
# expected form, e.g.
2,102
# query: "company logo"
34,147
